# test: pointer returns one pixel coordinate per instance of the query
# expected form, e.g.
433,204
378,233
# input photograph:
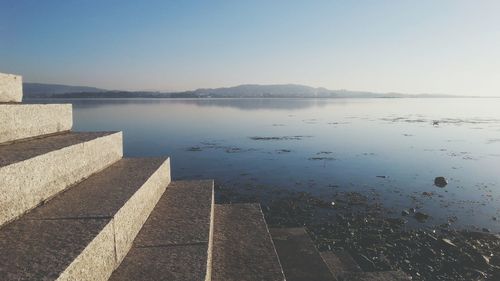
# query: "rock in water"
440,182
421,217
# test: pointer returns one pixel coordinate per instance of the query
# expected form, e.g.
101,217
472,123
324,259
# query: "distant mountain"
45,90
33,90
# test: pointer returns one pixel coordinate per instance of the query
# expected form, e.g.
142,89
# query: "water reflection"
391,149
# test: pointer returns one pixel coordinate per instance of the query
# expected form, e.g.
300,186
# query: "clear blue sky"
419,46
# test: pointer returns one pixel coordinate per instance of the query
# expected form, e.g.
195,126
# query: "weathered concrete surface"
11,88
19,121
299,257
35,170
172,263
376,276
243,249
44,249
340,262
183,215
126,191
112,205
174,243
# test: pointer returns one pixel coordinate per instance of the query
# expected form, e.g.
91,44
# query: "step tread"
243,249
41,250
17,152
299,257
44,242
339,262
175,241
376,276
114,187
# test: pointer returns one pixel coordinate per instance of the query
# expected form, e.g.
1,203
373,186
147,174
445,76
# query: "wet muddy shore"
379,241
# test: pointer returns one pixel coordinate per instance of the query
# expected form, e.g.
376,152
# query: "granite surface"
21,121
33,171
175,242
299,257
11,88
243,249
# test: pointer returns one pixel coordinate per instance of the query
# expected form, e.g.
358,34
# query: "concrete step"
376,276
299,257
84,232
243,249
175,243
340,262
11,88
21,121
345,268
35,170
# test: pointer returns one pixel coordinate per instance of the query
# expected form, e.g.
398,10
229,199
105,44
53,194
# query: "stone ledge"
299,257
33,171
174,243
81,233
11,88
21,121
243,249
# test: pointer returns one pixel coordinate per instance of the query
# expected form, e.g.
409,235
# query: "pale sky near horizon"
425,46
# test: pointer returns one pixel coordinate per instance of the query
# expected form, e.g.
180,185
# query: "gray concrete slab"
172,263
117,200
339,262
11,88
21,151
103,194
182,216
299,257
243,249
21,121
43,250
33,171
175,242
376,276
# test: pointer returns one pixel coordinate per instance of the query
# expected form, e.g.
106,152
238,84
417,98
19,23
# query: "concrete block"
20,121
81,249
174,263
339,262
132,216
376,276
299,257
33,171
175,243
243,249
11,88
81,233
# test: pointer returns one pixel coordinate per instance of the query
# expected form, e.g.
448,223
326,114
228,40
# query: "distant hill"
35,90
46,90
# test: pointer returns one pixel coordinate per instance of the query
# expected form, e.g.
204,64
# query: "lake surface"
389,150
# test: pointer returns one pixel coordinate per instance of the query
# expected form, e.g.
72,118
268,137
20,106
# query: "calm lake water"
387,149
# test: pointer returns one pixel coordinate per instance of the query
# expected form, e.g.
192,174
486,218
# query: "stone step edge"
19,205
272,272
84,261
11,88
24,121
181,222
208,276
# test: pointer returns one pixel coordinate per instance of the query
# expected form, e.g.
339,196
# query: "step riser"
11,88
208,277
26,184
105,253
175,241
97,261
20,121
130,219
